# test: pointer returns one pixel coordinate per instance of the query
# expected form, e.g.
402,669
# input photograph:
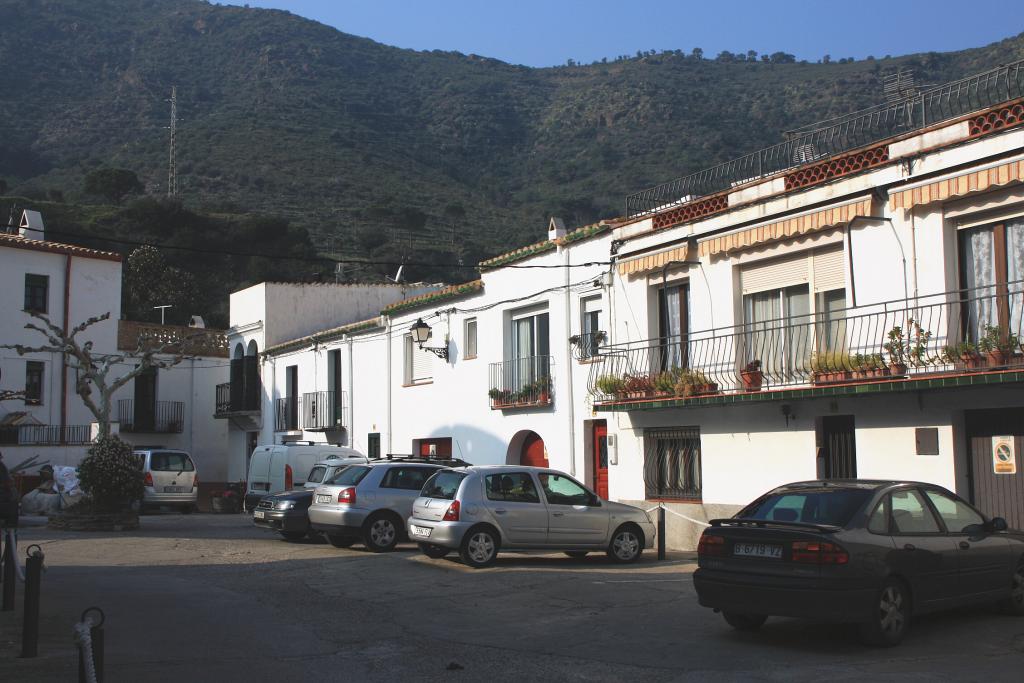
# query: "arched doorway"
533,453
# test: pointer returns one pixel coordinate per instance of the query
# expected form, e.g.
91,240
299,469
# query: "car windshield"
350,476
811,506
170,462
316,475
444,485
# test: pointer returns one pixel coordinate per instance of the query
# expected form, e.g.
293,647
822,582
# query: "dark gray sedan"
871,552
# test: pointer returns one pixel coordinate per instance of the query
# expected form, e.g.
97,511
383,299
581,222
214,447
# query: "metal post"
661,532
96,638
33,577
9,560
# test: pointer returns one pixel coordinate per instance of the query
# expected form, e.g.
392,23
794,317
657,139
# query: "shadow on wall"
471,444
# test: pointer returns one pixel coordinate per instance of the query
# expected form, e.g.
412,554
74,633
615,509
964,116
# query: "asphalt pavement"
211,598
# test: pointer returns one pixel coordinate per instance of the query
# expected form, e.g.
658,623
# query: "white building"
901,245
69,284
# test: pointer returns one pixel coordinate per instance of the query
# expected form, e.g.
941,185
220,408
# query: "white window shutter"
829,270
775,274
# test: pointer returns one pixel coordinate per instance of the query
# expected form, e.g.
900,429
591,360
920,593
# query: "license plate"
773,552
175,489
258,514
421,531
324,499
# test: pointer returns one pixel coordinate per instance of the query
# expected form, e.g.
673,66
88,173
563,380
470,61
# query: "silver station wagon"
481,510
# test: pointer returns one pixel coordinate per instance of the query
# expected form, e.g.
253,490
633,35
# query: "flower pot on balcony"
752,380
545,398
971,360
898,368
995,358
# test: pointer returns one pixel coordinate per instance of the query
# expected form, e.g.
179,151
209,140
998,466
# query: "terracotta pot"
971,361
752,379
898,368
995,358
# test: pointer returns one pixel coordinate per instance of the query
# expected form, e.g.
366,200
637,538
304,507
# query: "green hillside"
379,151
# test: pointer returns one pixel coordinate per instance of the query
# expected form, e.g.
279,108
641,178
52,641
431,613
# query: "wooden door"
837,448
533,454
601,459
997,494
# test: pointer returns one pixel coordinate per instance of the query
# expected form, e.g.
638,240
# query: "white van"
273,469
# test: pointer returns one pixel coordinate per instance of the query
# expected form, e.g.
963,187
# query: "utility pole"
172,164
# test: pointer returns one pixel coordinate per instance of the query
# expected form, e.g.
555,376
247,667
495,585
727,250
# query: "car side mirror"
998,524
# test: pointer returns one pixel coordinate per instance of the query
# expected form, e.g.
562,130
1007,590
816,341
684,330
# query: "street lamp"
421,333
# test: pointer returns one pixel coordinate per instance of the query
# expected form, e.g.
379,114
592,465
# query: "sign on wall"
1004,456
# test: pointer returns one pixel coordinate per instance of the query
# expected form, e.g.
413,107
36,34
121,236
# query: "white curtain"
1015,272
673,353
763,311
798,329
980,276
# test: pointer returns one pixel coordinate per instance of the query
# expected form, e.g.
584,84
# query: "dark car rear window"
443,485
811,506
350,476
170,462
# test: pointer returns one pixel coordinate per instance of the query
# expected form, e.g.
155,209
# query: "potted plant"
831,366
500,397
638,386
896,347
997,347
752,376
542,390
611,385
665,382
693,383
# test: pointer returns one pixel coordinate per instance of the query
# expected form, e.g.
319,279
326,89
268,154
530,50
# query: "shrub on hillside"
110,475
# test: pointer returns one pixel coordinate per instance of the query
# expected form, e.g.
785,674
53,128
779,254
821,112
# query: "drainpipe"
913,253
388,385
64,356
192,407
568,368
351,397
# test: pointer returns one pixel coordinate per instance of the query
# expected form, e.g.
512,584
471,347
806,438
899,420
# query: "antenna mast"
172,164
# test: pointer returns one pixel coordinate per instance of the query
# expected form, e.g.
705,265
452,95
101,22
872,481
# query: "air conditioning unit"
612,444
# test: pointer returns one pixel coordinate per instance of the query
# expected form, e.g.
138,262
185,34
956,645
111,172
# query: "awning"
649,262
813,221
957,186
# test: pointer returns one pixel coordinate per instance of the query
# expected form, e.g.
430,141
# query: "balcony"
966,337
323,410
521,383
160,417
46,435
230,402
286,414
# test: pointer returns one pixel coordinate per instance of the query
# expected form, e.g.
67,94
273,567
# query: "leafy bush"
110,474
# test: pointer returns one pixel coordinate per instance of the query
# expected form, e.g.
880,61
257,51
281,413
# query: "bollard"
9,560
33,578
661,532
95,646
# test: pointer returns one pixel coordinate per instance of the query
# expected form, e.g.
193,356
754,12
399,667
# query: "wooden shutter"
422,367
829,270
775,274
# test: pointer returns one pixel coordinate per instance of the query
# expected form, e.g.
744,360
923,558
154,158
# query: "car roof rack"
408,457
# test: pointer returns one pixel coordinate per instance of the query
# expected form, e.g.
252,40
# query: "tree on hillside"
97,382
113,184
150,281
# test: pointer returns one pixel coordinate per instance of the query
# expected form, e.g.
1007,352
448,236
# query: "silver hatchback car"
369,503
481,510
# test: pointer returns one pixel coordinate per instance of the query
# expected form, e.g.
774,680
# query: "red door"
533,452
442,448
601,459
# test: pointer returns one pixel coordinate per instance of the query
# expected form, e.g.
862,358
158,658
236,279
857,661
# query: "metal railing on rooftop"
842,134
951,333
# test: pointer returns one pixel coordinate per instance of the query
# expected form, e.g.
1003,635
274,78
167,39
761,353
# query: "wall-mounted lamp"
787,412
421,333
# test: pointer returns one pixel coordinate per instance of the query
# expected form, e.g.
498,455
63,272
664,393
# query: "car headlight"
284,505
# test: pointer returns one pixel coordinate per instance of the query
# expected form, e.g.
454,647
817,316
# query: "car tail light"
452,513
710,544
289,480
819,552
148,481
347,496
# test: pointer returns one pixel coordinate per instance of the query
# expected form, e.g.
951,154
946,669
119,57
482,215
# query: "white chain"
677,514
83,636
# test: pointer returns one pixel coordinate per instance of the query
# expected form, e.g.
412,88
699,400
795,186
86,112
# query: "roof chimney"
31,225
556,228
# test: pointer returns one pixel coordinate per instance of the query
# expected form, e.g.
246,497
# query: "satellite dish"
397,279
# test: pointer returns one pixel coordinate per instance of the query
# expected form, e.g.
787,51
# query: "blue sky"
539,33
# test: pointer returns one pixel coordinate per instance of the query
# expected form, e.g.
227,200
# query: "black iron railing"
842,134
323,410
954,332
158,417
521,382
223,401
45,435
286,414
587,345
230,399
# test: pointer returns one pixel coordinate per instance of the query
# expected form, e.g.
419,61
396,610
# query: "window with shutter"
418,365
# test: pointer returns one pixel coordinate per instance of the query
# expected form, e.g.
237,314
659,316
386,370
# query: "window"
674,325
514,487
469,344
418,365
672,463
812,506
169,461
373,445
910,515
350,476
956,514
34,382
530,348
316,475
444,485
37,289
406,478
590,326
879,521
561,490
992,268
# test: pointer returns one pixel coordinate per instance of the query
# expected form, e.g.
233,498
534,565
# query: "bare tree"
95,369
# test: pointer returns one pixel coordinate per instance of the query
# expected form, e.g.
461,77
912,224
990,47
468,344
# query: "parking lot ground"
211,598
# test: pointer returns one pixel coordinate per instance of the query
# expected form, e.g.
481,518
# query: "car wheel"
744,622
432,551
340,541
1015,603
380,533
891,616
479,547
626,546
293,535
576,554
